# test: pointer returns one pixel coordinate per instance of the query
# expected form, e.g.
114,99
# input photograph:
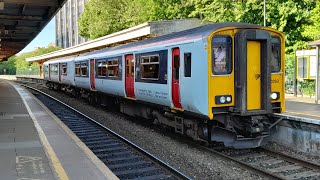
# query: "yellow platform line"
60,172
312,115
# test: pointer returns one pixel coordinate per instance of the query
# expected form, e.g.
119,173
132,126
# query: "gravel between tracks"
190,160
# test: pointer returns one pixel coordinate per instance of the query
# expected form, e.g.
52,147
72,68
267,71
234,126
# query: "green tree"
8,67
25,67
102,17
313,31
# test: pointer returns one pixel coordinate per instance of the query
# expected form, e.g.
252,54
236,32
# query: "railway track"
124,158
271,164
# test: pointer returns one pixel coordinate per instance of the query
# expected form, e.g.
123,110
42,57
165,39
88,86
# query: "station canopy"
137,33
21,21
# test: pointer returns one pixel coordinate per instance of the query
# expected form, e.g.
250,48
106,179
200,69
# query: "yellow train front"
246,84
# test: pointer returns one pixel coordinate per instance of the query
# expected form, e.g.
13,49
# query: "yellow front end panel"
253,75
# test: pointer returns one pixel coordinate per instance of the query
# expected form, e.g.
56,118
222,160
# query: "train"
219,82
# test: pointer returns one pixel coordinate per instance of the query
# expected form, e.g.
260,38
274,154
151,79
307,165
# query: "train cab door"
92,75
59,72
129,78
253,75
175,78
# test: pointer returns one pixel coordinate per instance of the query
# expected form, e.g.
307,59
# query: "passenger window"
187,64
64,69
221,55
113,68
102,68
84,69
77,69
54,69
275,54
150,67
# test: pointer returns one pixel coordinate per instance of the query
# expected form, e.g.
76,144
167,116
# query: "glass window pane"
187,64
176,66
275,55
221,55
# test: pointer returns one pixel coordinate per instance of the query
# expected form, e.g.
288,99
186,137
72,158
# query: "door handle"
175,83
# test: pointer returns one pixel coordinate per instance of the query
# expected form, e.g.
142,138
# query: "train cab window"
275,54
187,64
102,68
77,69
46,70
113,68
221,55
150,67
84,70
64,69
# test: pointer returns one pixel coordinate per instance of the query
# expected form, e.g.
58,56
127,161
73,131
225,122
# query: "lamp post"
264,12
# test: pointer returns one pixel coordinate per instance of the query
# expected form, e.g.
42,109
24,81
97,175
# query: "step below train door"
129,79
92,75
176,78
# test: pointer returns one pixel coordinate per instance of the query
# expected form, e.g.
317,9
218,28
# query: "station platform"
35,144
304,107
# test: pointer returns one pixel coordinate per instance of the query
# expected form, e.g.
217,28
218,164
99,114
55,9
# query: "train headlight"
223,99
275,95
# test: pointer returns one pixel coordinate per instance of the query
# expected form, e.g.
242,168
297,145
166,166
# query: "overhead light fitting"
1,5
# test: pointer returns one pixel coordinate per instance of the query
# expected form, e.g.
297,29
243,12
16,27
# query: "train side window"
54,69
84,69
221,55
77,69
275,54
102,68
150,67
187,64
64,69
113,68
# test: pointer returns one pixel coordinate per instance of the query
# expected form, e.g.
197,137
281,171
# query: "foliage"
307,87
8,67
24,67
102,17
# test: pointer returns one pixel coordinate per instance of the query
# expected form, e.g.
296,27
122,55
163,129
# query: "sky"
45,37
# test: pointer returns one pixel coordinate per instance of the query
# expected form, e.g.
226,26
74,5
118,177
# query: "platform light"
1,5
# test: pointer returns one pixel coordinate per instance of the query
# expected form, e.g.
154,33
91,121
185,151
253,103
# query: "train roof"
202,31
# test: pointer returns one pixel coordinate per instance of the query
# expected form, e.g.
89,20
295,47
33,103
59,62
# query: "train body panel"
219,82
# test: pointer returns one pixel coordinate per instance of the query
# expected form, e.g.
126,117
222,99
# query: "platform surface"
35,145
304,107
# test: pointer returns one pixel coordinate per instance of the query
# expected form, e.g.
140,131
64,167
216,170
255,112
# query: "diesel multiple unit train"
219,82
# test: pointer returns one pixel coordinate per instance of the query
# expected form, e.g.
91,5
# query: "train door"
92,75
129,71
252,72
59,72
175,78
253,75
